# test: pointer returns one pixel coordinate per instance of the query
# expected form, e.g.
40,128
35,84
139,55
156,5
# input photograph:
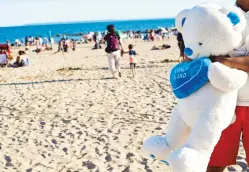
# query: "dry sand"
64,113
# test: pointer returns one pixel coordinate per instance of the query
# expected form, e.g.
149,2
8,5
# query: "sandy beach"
64,112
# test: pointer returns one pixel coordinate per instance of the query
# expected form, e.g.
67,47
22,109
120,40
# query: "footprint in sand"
89,165
108,158
29,170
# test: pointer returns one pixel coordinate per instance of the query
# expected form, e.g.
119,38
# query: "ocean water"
19,32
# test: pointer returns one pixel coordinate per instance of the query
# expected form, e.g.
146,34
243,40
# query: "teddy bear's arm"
178,131
161,146
194,155
225,78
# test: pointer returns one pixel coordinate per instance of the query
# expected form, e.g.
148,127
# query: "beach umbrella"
121,34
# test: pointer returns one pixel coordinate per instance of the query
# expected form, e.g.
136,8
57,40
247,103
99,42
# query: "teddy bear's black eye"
200,43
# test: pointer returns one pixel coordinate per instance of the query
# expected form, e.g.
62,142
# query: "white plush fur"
210,27
198,120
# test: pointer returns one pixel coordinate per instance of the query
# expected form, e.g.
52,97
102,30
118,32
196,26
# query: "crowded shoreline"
82,37
38,44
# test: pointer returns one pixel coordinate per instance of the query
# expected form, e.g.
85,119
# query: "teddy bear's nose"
188,51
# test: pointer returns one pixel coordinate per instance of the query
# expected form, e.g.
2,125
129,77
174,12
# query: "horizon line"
86,21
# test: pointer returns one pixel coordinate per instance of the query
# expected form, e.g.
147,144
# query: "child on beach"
132,58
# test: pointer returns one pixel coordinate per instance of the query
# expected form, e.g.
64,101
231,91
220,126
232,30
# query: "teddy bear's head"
210,30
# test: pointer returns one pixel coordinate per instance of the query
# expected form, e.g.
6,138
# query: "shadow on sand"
53,81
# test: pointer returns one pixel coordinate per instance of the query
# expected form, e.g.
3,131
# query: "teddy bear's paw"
164,162
156,147
152,157
188,160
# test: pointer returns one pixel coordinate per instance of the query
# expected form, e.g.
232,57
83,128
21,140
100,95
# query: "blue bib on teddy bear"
188,77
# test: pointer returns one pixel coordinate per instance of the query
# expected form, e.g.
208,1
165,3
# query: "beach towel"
3,59
188,77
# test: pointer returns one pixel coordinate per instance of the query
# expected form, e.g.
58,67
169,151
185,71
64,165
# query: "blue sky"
19,12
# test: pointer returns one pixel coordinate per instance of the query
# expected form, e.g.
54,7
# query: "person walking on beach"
132,54
8,43
97,39
26,41
152,35
113,49
226,150
38,45
132,57
51,40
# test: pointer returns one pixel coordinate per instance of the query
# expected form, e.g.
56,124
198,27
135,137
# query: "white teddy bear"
207,92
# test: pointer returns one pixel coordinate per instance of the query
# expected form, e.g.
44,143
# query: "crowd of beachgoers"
65,44
148,35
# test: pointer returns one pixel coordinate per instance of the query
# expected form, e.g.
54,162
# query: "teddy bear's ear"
236,17
180,19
